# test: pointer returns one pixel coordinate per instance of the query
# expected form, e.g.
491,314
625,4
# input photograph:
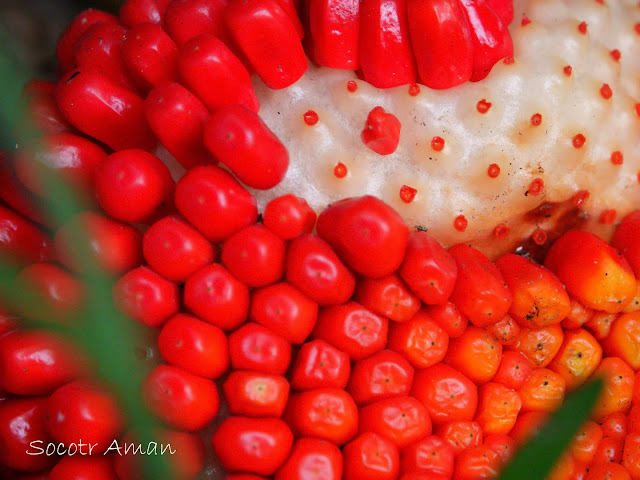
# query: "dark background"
30,28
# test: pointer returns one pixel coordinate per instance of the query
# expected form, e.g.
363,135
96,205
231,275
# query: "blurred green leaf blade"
537,457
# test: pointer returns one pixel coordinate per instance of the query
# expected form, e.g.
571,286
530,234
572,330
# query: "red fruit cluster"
441,43
366,350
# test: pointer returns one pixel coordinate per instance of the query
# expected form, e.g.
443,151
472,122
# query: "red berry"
216,296
442,42
37,362
289,216
428,269
76,159
326,413
258,445
21,240
314,268
83,411
481,293
265,33
134,12
150,56
319,365
186,19
177,117
180,399
333,33
387,61
147,297
99,47
196,346
237,137
24,436
104,110
255,394
132,184
312,457
254,347
363,228
371,456
114,246
209,69
352,328
214,202
175,249
284,309
381,375
255,256
381,131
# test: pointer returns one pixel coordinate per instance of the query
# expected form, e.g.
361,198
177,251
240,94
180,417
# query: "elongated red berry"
134,12
16,196
489,35
269,40
186,19
112,245
150,56
480,291
428,269
21,240
44,112
238,137
592,271
104,110
442,44
80,23
504,9
177,117
100,47
74,157
333,32
381,131
210,70
386,58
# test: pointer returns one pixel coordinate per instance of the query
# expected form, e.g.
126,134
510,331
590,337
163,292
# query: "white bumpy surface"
455,180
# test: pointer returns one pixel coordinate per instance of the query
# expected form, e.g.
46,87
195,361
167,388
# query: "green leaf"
101,331
536,458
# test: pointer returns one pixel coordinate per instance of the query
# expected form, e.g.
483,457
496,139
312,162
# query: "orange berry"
618,387
578,357
592,271
543,391
624,339
539,298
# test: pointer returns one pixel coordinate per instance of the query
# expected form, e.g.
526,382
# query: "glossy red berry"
104,110
255,256
214,202
362,228
289,216
132,184
147,297
284,309
237,137
150,56
217,297
263,30
210,70
194,345
180,399
175,249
